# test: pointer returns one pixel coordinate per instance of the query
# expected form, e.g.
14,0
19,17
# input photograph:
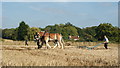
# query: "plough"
90,47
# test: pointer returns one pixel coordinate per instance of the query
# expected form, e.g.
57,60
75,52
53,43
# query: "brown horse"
45,37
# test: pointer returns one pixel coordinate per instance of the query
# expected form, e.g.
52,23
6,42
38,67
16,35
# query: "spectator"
26,43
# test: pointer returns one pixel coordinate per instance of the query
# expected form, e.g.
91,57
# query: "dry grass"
16,54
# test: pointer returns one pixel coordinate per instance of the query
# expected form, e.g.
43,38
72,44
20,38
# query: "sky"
41,14
60,0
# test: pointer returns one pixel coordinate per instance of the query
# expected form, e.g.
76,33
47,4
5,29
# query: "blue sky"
41,14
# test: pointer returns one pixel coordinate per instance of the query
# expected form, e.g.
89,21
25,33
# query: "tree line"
94,33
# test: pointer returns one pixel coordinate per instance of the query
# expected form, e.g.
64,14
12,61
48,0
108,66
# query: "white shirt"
106,39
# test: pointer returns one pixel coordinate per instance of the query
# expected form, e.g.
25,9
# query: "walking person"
106,42
26,42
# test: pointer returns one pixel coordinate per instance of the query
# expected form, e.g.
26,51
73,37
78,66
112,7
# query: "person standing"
106,42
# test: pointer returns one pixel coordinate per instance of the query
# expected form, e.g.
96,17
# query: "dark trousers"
106,45
26,44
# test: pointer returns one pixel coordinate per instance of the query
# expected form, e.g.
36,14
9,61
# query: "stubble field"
15,53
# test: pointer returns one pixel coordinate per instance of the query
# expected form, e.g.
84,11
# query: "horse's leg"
41,44
55,44
61,44
48,45
58,44
60,40
46,42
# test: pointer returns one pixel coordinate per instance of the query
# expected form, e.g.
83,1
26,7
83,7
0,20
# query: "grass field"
15,53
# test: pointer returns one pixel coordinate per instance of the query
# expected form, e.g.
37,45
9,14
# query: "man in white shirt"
106,42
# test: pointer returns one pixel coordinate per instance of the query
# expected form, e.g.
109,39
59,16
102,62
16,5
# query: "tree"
89,33
115,32
94,33
103,29
71,30
23,30
68,24
7,33
54,29
15,34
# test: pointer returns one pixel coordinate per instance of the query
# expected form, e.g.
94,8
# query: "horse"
45,37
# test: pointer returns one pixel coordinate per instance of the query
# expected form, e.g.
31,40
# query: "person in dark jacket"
26,42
